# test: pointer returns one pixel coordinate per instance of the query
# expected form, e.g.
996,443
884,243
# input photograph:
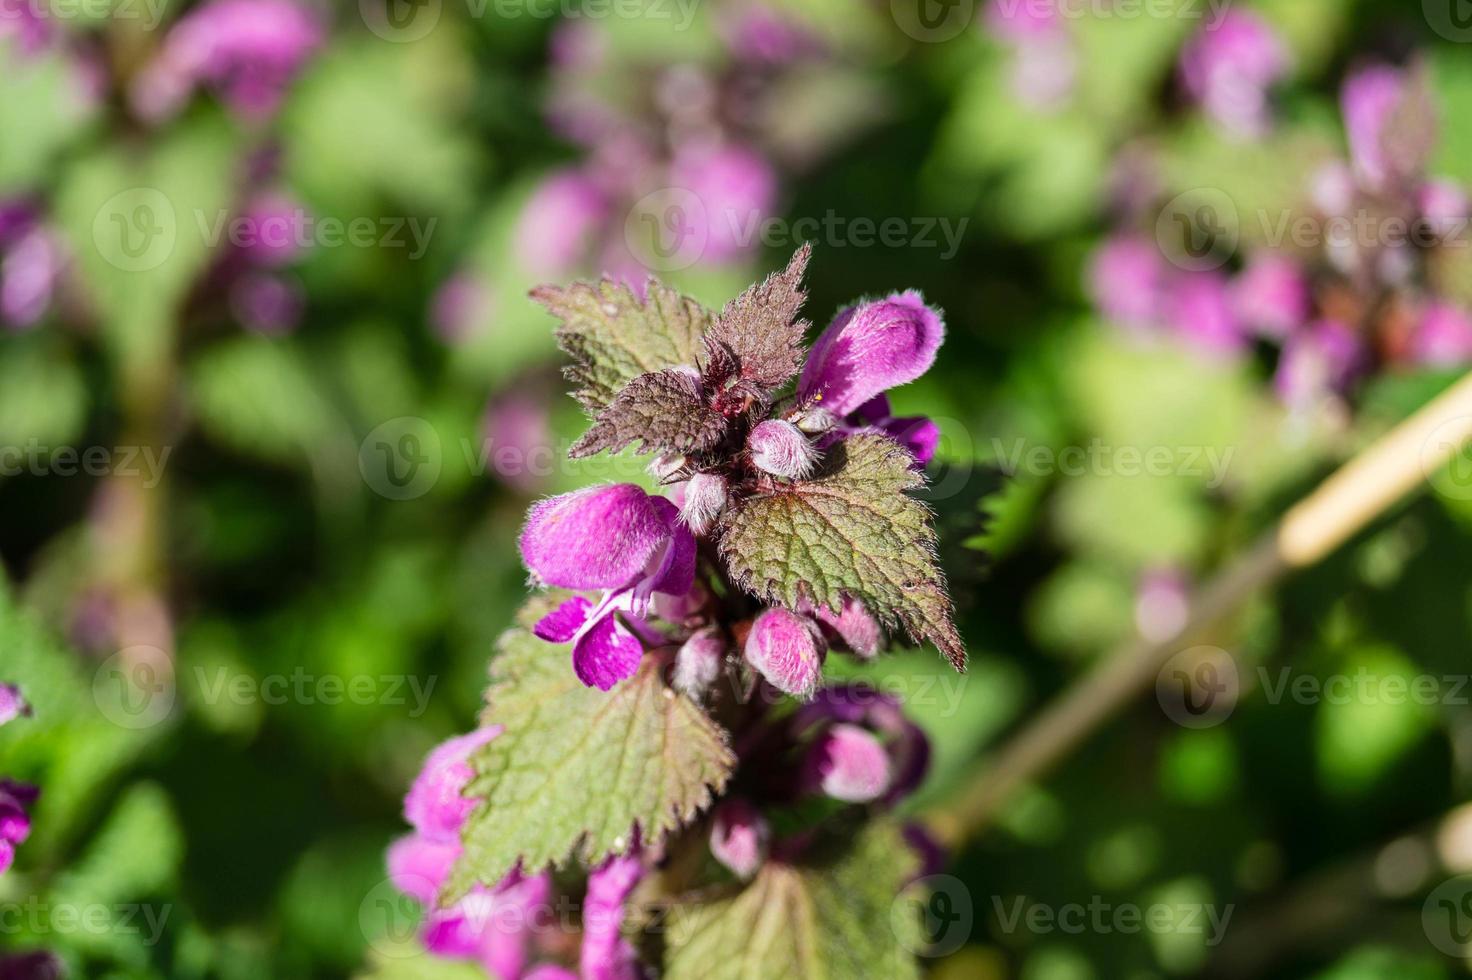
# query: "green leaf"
853,530
613,336
844,919
259,396
663,412
577,771
760,328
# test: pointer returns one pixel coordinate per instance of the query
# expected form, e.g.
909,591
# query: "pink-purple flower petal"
871,348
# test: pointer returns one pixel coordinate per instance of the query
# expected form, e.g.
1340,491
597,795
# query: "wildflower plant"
658,715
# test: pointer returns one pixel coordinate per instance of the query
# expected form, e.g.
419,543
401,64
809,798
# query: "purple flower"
1443,337
758,32
1321,359
852,626
248,50
906,746
919,434
848,763
434,805
1444,207
1272,295
787,650
12,705
560,223
24,21
266,303
16,799
1127,280
491,925
618,539
698,662
1045,65
1228,69
516,430
705,499
739,837
29,272
606,955
273,230
736,187
1201,312
781,449
1162,604
870,349
459,305
1373,100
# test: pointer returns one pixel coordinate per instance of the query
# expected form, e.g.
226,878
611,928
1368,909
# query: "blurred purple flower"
606,955
248,50
737,189
273,229
1044,62
1272,295
1127,281
267,304
759,32
1201,313
739,837
561,223
12,705
434,805
787,650
1162,603
516,431
25,22
848,763
1445,208
1229,67
29,272
1443,337
1388,119
1317,361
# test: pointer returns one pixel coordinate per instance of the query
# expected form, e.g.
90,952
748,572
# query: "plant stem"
1358,493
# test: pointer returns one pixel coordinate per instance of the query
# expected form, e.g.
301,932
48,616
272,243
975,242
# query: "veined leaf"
853,530
576,771
760,328
613,336
663,412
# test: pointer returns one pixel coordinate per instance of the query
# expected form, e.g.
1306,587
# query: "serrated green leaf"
576,771
853,530
844,920
662,412
613,336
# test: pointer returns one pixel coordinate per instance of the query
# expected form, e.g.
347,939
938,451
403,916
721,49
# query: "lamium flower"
739,837
1443,336
12,705
248,50
1044,62
852,626
848,763
605,954
919,434
698,662
30,270
705,499
869,349
618,539
434,804
1127,281
1201,312
16,799
787,650
561,222
1372,100
736,188
1229,67
1320,360
1272,296
781,449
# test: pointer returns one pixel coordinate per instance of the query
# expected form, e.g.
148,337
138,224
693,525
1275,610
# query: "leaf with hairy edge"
843,920
576,771
852,530
760,330
664,412
613,336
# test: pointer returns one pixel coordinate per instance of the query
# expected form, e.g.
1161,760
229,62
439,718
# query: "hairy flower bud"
780,448
787,650
12,705
434,804
854,626
698,663
598,538
815,421
739,836
848,763
705,498
664,467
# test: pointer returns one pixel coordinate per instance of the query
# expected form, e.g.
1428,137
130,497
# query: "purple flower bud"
1372,100
739,837
516,430
595,538
1127,281
267,304
29,273
12,705
1272,295
1319,360
786,649
698,663
560,223
1162,604
737,189
1201,312
274,231
705,498
815,421
606,955
434,805
1229,67
666,467
869,349
15,820
1443,337
780,448
854,626
418,866
848,763
1444,207
460,305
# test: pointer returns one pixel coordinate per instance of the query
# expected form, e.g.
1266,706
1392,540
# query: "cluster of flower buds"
16,799
507,927
1356,299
